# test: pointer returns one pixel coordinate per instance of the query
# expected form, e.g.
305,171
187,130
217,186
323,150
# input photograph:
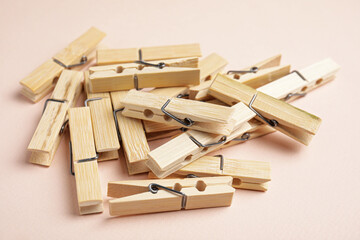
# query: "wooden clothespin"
132,135
156,130
163,195
253,76
251,175
192,144
179,112
168,73
289,88
43,79
128,55
163,161
292,121
209,67
289,120
105,134
84,158
48,133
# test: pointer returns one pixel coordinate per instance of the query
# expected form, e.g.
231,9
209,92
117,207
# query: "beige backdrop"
314,192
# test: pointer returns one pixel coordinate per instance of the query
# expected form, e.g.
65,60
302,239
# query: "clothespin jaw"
102,120
132,136
84,158
179,112
173,73
48,133
292,121
253,76
43,79
251,175
149,196
190,145
128,55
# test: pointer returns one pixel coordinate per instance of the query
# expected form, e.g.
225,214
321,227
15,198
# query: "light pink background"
314,192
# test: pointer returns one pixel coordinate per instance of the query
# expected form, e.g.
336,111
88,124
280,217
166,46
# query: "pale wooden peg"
289,120
84,157
176,73
47,136
209,67
252,127
251,175
149,196
198,115
42,80
190,145
133,137
103,122
153,127
127,55
165,134
291,87
200,92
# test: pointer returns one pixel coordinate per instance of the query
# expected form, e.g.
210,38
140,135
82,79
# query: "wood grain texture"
133,137
127,55
160,135
181,150
41,78
87,178
292,121
103,122
207,117
246,174
106,156
40,81
209,67
47,134
152,127
316,74
117,189
181,72
82,46
135,198
200,92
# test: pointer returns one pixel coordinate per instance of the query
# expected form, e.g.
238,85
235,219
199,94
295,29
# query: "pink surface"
314,192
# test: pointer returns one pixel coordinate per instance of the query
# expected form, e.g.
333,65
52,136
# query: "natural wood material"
253,127
152,127
106,156
170,91
165,134
134,197
127,55
47,136
291,121
41,81
251,175
133,137
181,72
206,116
87,178
200,92
102,118
317,75
182,150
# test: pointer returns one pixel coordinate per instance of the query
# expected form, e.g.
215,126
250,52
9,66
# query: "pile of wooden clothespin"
136,95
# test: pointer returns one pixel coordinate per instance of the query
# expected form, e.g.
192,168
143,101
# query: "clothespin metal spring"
186,122
79,161
83,60
154,188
